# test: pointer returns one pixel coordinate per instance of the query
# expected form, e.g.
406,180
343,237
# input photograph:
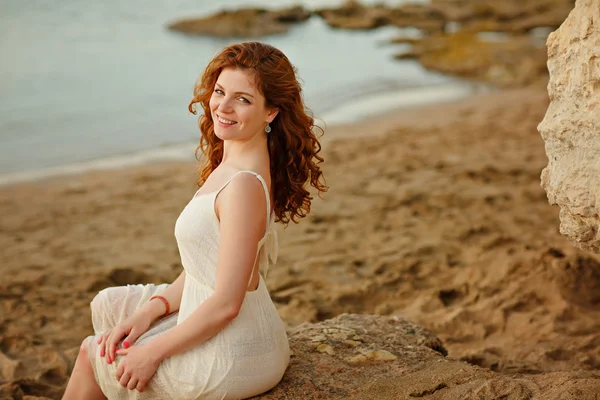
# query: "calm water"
86,80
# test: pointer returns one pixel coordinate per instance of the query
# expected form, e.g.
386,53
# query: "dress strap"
268,196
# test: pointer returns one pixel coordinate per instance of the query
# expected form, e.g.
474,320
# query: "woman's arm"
242,226
133,327
156,308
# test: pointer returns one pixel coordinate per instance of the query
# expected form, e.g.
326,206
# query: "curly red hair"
293,146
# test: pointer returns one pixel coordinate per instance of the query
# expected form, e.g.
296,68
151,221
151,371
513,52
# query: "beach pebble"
318,338
372,355
325,348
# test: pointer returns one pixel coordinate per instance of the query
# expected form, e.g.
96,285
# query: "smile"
225,121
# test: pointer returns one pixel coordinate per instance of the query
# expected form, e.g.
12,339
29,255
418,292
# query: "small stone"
359,359
340,336
372,355
318,338
351,343
325,348
382,355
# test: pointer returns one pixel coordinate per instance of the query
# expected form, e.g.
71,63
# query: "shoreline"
368,108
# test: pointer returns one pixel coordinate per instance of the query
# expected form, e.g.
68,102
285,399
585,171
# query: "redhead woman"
214,332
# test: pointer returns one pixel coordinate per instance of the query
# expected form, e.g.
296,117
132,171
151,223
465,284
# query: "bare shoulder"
243,194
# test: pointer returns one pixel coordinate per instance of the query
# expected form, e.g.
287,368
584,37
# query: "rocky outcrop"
504,16
453,32
362,357
245,22
571,126
354,15
338,357
505,63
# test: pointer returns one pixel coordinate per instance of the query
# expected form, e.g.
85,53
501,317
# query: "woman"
214,333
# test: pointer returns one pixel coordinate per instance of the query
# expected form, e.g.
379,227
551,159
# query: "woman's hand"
137,367
130,329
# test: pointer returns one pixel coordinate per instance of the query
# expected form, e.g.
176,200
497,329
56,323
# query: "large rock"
354,15
336,358
571,127
245,22
506,15
362,357
513,62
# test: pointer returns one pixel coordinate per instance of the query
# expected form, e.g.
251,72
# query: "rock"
325,348
324,364
389,363
420,16
373,355
245,22
571,126
354,15
506,63
504,16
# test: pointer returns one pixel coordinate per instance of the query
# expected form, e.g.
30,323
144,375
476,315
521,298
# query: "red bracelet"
168,311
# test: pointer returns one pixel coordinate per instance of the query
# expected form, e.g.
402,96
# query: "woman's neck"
248,152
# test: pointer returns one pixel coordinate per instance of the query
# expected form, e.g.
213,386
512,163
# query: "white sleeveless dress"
248,357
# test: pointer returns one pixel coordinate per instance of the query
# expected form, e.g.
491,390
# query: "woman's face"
237,107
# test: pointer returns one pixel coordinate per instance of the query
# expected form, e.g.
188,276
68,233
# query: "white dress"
248,357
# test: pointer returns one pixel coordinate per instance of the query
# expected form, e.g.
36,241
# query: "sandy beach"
434,213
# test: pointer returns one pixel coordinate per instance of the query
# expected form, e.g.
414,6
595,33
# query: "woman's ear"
272,114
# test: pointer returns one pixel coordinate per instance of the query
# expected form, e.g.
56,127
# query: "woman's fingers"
120,371
131,338
141,385
132,383
114,338
125,379
102,343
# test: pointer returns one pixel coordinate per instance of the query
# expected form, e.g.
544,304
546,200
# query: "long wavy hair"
293,146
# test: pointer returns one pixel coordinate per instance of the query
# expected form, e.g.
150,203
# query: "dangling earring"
267,128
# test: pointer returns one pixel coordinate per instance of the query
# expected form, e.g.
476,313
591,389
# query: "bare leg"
82,384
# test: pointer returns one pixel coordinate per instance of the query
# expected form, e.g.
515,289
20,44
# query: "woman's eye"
219,91
244,100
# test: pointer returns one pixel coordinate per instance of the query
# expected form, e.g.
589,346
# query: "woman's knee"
107,296
83,349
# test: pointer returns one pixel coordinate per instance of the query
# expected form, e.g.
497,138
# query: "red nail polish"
126,345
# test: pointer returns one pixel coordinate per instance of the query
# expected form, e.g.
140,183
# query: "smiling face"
237,107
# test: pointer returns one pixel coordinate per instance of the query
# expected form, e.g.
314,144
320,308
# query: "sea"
102,84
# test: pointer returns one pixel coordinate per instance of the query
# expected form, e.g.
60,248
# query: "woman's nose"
224,105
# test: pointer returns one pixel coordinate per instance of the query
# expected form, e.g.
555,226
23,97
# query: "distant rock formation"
453,35
245,22
571,127
354,15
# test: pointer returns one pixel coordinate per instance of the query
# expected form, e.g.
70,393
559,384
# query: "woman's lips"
224,122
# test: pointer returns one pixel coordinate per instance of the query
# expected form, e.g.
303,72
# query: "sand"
435,214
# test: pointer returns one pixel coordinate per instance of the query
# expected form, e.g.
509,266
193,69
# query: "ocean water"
82,82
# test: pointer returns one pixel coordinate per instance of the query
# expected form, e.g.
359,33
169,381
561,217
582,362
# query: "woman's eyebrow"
247,94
